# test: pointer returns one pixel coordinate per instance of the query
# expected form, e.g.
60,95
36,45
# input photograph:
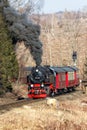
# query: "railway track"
19,103
68,96
77,94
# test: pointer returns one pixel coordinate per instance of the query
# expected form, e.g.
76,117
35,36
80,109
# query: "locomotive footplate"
37,94
33,95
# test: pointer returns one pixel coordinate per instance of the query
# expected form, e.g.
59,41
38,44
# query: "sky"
52,6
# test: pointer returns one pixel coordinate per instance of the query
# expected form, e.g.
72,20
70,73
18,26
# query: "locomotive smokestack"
22,29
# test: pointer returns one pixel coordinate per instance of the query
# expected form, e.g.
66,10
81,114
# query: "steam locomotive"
46,81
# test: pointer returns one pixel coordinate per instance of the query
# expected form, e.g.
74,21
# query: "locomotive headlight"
31,85
36,70
42,85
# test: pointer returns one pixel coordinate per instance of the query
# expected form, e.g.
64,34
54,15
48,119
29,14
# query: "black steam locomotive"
44,81
39,81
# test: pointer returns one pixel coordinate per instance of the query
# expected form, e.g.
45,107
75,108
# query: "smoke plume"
22,29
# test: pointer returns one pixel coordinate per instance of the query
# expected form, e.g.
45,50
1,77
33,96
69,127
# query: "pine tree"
8,62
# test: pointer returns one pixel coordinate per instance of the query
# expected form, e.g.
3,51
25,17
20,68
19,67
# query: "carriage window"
71,75
62,77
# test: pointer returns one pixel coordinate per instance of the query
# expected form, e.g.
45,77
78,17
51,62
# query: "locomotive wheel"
52,94
63,90
60,91
70,89
73,89
47,90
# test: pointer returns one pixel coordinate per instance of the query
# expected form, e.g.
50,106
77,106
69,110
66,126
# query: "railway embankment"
70,114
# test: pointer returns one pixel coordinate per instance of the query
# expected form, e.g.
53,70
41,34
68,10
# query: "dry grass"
20,90
69,115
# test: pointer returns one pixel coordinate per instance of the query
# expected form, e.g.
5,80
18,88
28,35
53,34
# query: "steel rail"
18,103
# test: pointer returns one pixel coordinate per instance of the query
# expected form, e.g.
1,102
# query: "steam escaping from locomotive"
23,29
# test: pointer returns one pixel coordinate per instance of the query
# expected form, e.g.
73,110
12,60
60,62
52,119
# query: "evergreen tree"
8,62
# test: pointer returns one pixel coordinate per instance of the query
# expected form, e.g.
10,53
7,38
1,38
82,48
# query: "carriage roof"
64,69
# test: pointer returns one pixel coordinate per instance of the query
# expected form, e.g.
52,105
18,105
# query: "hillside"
60,35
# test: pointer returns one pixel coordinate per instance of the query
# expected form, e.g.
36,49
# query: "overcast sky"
51,6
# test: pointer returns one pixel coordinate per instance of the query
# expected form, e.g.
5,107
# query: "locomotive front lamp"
42,85
36,70
31,85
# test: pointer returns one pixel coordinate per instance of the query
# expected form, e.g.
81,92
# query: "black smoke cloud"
22,29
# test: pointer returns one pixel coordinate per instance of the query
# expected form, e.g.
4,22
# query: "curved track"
73,95
19,103
64,97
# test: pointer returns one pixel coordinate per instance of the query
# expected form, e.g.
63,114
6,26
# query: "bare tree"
48,29
28,6
71,24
